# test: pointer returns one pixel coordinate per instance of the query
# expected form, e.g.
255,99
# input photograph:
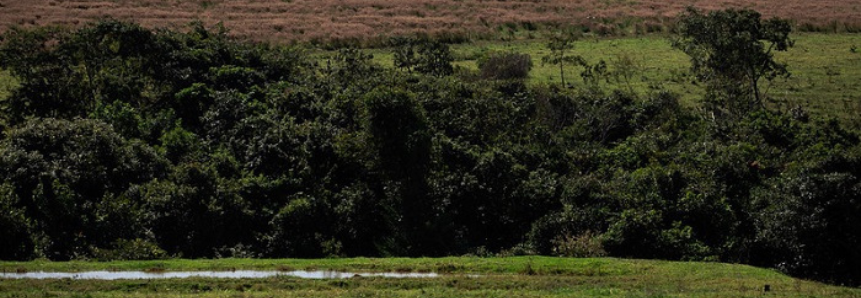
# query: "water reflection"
115,275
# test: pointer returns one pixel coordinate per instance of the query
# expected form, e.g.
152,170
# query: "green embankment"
500,277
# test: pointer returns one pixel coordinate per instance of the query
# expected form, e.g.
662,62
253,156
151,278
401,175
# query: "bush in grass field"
586,245
136,249
505,66
434,58
122,142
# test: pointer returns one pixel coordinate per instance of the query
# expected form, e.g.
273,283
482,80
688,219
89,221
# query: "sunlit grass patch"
825,70
499,277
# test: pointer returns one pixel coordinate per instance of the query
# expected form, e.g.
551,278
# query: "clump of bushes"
135,249
586,245
505,66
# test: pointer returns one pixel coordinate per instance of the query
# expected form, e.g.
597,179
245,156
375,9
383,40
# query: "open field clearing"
825,70
280,20
824,81
500,277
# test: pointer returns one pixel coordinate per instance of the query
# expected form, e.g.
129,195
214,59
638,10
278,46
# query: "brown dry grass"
280,20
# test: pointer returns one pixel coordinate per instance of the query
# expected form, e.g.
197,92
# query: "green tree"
400,140
811,221
560,44
732,51
15,227
434,58
404,52
46,82
63,171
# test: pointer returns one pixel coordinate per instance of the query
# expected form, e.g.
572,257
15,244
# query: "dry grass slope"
280,20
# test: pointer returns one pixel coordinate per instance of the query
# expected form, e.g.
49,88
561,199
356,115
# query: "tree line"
122,142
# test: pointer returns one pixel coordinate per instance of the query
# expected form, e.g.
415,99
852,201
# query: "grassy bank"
512,265
502,277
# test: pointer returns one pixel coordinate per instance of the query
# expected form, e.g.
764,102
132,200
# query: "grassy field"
499,277
824,81
825,71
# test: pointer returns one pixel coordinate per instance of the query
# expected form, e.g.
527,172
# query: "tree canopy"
732,51
129,143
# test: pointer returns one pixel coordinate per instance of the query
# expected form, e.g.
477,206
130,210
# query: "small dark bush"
137,249
505,66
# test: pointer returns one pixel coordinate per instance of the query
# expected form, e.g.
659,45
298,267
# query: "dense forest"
121,142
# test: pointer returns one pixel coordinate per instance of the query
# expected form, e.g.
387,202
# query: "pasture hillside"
825,70
280,20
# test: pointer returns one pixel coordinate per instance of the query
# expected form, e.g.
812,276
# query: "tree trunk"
562,73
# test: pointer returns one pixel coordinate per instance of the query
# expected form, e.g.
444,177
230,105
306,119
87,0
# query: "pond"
115,275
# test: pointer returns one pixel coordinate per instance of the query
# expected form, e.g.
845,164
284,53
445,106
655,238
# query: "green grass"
513,265
500,277
825,72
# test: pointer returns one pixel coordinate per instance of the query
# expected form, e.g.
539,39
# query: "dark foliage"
505,66
125,143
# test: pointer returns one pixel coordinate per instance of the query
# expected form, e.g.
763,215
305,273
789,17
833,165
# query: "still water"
115,275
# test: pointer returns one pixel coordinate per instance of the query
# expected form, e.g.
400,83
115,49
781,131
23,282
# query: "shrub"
505,66
124,249
14,227
731,51
434,58
586,245
810,226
